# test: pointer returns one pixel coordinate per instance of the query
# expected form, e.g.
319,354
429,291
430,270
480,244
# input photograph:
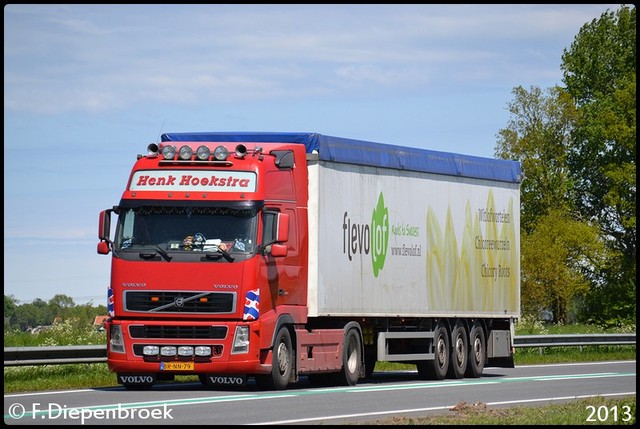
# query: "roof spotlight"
168,152
220,153
185,153
203,153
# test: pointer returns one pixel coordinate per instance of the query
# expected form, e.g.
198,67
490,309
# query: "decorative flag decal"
110,309
252,305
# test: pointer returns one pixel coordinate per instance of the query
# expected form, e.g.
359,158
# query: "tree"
599,71
85,314
556,258
39,312
60,301
61,305
10,304
538,135
554,271
33,314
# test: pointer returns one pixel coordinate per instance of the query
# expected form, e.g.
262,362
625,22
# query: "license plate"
176,366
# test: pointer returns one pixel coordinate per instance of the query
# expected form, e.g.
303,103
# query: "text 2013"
605,414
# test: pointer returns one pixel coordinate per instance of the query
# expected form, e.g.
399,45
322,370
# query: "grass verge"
592,411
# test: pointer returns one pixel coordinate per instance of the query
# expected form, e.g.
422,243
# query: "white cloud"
105,57
87,87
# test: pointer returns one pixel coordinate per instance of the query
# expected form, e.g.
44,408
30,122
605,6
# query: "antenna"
160,132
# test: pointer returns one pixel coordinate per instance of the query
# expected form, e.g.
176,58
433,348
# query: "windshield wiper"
150,255
218,253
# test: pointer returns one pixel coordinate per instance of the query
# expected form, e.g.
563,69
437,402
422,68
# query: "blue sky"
88,87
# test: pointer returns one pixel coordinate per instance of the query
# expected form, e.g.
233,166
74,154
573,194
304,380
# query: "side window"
127,230
269,219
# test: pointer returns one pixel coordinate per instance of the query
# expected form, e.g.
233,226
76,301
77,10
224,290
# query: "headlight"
241,340
116,341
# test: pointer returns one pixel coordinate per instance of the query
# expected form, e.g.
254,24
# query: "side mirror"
104,225
104,230
103,248
278,250
282,228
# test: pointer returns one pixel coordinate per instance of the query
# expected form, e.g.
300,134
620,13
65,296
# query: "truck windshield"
187,229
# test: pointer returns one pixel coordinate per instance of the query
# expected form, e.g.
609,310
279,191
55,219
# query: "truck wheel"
477,351
281,363
437,368
351,361
459,351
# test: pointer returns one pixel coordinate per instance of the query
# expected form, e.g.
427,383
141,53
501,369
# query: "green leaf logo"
379,235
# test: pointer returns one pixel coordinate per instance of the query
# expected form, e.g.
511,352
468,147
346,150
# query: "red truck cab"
209,252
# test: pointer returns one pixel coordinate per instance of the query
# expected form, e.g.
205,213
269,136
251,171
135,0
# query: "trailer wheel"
477,351
437,368
281,364
459,351
351,360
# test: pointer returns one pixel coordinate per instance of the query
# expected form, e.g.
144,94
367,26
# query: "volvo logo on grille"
178,302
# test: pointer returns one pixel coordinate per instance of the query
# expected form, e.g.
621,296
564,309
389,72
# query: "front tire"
282,363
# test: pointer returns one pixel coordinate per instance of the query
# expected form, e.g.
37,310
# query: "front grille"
193,332
180,302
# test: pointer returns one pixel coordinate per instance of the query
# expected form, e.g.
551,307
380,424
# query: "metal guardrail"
56,355
574,340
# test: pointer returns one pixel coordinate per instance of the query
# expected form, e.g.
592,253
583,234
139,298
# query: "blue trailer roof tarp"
339,149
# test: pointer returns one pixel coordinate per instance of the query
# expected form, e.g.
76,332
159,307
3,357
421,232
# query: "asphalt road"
383,396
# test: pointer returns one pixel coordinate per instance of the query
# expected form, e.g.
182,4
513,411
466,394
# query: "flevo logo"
358,239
